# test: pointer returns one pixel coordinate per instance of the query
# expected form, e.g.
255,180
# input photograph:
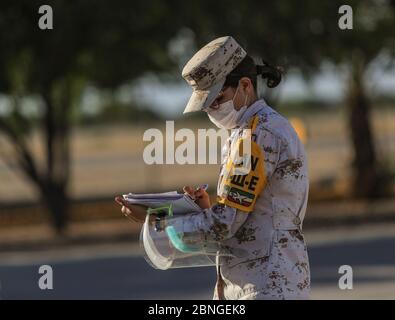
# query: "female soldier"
260,211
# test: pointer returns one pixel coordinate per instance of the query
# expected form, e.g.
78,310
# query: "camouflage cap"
206,71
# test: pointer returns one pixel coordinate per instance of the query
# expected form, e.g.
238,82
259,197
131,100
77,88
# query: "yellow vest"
243,177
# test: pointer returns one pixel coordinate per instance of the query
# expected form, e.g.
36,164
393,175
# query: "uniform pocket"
284,218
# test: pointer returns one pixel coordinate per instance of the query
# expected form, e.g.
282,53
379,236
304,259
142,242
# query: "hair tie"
272,74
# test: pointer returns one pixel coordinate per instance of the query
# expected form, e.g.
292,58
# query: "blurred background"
76,100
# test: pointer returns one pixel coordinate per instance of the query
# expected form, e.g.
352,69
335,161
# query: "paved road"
114,273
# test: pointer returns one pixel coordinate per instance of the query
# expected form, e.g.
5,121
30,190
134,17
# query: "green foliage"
118,113
109,43
293,33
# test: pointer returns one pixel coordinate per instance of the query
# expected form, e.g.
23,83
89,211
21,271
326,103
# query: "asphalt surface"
120,272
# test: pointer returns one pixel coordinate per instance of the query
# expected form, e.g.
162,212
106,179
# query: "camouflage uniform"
277,265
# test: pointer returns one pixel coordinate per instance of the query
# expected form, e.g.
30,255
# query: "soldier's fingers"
126,210
200,193
119,200
123,202
188,190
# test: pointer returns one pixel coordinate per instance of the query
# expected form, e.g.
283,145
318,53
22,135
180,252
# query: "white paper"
181,203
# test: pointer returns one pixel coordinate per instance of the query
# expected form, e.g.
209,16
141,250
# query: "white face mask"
226,116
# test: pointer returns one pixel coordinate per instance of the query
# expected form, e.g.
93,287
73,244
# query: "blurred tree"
304,35
356,50
105,44
99,43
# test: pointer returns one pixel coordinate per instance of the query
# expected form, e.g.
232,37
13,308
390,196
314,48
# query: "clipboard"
181,203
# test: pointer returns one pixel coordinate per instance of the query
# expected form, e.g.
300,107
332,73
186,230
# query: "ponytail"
271,73
248,68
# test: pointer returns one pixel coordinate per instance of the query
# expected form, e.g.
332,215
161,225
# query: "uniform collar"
251,111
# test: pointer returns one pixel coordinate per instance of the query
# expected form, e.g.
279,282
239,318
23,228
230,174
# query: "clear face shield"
167,245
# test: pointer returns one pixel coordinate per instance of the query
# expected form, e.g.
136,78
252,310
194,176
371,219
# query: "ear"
246,84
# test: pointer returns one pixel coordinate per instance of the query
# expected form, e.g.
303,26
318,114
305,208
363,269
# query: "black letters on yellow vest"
243,177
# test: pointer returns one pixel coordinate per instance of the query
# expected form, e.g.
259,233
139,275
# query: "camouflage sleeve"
220,222
272,145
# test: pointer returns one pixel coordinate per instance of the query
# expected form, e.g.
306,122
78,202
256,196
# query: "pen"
204,187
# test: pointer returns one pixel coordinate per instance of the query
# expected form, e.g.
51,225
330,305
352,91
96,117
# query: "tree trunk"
57,203
56,125
365,168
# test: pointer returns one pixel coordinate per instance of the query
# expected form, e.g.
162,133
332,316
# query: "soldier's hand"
132,211
200,196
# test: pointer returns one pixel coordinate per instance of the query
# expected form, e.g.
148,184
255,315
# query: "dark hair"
248,68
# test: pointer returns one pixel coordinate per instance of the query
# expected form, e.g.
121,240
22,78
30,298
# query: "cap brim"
201,99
